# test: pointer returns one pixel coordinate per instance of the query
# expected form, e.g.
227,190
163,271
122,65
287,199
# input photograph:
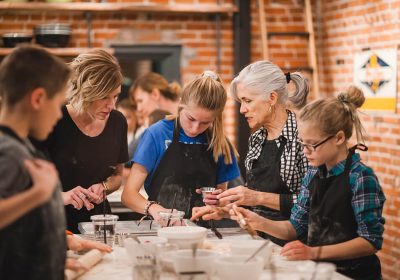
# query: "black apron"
332,220
265,176
182,169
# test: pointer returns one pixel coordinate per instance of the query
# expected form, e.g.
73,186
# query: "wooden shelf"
58,51
290,34
120,7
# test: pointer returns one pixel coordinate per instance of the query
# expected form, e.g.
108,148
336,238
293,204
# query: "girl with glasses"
339,208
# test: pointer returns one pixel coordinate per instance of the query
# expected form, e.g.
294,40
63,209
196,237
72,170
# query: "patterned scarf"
293,162
256,142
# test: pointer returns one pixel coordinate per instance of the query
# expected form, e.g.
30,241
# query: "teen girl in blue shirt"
178,155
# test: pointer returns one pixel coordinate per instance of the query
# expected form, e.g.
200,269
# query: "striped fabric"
293,162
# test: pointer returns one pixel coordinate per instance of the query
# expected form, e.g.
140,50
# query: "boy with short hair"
32,228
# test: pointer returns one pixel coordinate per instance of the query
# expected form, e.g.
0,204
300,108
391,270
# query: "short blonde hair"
95,75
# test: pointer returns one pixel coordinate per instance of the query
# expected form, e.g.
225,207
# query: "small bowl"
308,270
11,40
184,261
184,236
176,217
147,247
207,190
234,268
248,247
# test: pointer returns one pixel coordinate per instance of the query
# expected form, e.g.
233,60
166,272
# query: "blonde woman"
89,143
176,156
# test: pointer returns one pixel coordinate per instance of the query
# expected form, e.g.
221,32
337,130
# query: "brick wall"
347,27
196,33
343,28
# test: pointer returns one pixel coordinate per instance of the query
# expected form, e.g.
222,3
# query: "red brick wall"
196,33
343,28
347,27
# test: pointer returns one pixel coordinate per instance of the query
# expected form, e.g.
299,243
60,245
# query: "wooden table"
119,266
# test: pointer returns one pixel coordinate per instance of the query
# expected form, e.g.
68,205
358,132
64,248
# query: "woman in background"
152,91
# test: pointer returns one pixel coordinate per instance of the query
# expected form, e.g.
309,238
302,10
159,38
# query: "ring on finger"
82,196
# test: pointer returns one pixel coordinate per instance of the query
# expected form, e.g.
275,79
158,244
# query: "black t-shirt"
82,160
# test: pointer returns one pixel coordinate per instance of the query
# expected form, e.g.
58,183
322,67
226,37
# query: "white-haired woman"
89,144
275,163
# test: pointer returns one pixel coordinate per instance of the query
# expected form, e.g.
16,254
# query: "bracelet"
105,186
147,207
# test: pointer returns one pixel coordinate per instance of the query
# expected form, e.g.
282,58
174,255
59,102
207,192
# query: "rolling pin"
89,259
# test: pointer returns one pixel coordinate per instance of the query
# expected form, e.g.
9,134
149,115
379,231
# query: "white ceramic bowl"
147,247
248,247
235,268
184,236
309,269
204,260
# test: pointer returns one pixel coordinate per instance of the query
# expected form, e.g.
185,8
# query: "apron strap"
352,150
177,127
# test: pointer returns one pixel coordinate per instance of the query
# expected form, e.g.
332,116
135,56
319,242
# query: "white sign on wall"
375,72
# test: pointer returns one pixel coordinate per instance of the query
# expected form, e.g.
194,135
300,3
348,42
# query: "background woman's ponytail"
298,98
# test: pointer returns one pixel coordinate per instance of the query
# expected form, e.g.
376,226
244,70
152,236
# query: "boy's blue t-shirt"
155,141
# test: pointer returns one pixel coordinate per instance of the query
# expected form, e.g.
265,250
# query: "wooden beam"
72,52
312,53
120,7
263,29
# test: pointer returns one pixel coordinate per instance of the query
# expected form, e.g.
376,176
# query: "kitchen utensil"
172,210
257,251
244,225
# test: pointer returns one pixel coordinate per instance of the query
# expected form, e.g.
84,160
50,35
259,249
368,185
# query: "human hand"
44,177
209,212
98,189
77,243
210,199
239,195
79,197
246,218
75,265
154,211
297,250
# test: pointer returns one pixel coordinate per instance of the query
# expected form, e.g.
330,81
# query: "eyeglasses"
313,147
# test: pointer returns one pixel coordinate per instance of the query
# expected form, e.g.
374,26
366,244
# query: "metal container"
53,35
10,40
